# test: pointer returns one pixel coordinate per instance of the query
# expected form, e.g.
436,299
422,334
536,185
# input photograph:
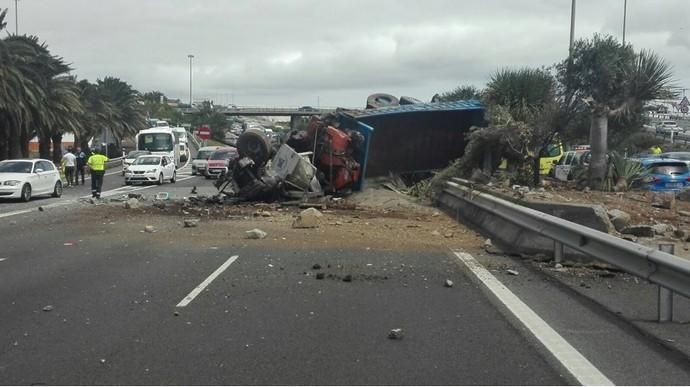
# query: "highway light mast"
190,56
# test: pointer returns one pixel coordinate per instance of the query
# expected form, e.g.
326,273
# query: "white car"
668,127
151,169
26,178
131,156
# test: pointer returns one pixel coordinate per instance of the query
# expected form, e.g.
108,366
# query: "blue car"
665,175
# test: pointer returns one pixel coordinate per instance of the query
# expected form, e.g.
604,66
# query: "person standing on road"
81,163
69,163
96,165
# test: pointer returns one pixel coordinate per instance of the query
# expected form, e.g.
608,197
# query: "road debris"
320,276
639,230
149,229
309,218
255,234
665,200
191,222
163,196
448,283
316,266
48,308
132,203
347,278
620,219
512,272
396,334
40,208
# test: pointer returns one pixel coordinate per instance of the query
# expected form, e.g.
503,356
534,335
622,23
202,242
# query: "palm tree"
611,80
125,116
461,93
63,112
529,96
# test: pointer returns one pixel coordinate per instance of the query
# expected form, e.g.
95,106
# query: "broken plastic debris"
395,334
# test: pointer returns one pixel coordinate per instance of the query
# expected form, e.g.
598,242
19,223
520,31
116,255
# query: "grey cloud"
296,52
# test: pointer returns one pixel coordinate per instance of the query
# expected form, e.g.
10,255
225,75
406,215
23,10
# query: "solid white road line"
190,297
18,212
578,366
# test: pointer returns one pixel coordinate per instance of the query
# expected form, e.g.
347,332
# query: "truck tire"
254,144
380,100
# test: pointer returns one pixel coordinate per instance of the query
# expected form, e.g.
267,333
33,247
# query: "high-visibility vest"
97,162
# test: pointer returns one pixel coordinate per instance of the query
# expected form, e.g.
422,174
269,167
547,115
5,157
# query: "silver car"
200,161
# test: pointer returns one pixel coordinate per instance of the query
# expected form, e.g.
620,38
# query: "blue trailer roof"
422,107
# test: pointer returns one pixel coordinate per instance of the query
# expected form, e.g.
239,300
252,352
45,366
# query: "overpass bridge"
267,111
293,112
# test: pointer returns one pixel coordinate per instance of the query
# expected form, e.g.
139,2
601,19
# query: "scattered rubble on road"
396,334
309,218
132,203
256,234
191,222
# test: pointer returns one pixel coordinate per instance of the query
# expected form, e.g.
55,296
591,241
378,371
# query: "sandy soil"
344,225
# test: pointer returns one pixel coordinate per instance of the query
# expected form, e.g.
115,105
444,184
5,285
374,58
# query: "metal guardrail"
670,272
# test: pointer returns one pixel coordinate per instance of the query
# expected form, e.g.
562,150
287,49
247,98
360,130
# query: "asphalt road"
114,294
86,297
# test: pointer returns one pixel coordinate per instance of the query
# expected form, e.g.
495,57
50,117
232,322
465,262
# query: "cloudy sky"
333,53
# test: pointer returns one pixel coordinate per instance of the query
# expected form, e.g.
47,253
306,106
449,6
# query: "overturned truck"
328,157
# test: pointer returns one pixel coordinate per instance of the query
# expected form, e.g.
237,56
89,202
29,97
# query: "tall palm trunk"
44,146
24,141
14,143
598,132
57,148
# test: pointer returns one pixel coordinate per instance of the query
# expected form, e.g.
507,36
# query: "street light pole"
572,28
625,14
190,56
16,18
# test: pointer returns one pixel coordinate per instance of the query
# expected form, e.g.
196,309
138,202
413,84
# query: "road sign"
204,132
684,102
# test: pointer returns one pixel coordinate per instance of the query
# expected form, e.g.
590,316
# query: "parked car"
306,109
151,169
131,156
684,156
219,161
200,162
667,127
25,179
569,162
664,175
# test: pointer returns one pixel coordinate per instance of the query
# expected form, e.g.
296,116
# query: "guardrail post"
558,251
665,296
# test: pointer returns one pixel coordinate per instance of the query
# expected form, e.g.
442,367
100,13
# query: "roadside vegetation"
596,97
39,97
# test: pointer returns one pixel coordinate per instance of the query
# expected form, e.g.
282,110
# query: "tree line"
596,95
40,98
